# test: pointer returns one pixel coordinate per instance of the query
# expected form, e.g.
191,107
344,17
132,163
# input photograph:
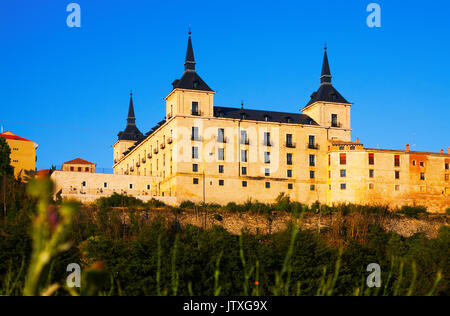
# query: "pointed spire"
325,77
131,119
190,60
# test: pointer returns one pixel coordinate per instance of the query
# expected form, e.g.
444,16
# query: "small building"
23,153
79,165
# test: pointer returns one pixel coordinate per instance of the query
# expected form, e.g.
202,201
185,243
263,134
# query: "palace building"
202,152
23,153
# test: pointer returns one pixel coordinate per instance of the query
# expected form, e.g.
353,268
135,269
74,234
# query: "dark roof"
190,79
131,131
256,115
326,92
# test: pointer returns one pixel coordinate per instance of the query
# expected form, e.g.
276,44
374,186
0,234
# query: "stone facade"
23,153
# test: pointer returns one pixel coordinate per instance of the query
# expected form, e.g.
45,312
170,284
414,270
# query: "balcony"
149,155
170,140
155,151
115,160
196,113
138,164
131,169
162,146
313,146
290,145
245,141
222,140
196,138
336,125
267,143
144,160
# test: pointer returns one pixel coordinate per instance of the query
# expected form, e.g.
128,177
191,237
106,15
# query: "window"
290,186
79,169
194,167
397,187
446,177
312,187
221,135
244,138
86,169
312,160
422,176
83,184
312,142
343,186
221,183
267,139
194,155
289,140
71,169
371,173
267,172
131,186
371,186
312,174
195,110
343,173
334,120
221,154
289,159
195,135
371,159
244,155
244,171
266,118
343,159
447,167
195,181
105,185
289,173
267,185
397,160
244,184
221,169
329,160
267,157
148,187
414,163
397,175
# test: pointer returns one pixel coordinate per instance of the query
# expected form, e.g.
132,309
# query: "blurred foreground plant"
50,230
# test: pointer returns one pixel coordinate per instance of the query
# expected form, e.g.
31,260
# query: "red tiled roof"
9,135
78,161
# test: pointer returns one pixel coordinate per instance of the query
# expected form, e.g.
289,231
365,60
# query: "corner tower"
328,107
190,96
130,136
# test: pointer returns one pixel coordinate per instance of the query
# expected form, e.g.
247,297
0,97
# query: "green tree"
5,168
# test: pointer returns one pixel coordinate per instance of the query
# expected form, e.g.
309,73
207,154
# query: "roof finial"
190,30
242,104
325,77
131,92
325,47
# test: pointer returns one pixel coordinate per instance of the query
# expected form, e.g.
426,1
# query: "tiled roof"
78,161
9,135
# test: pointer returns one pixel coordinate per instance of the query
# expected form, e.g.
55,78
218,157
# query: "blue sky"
68,88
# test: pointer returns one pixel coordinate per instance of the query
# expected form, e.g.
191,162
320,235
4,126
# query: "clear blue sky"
68,89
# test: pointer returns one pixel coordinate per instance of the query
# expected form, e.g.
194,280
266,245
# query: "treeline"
123,252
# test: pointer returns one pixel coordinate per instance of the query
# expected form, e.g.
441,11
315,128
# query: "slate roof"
326,92
190,79
131,131
258,115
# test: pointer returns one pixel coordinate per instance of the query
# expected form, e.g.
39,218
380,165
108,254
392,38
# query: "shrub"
413,211
118,200
187,204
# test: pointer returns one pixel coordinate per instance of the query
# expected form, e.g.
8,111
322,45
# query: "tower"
328,107
130,136
190,95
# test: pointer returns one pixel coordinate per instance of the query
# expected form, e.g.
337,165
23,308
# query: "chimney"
449,150
442,151
407,148
357,140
